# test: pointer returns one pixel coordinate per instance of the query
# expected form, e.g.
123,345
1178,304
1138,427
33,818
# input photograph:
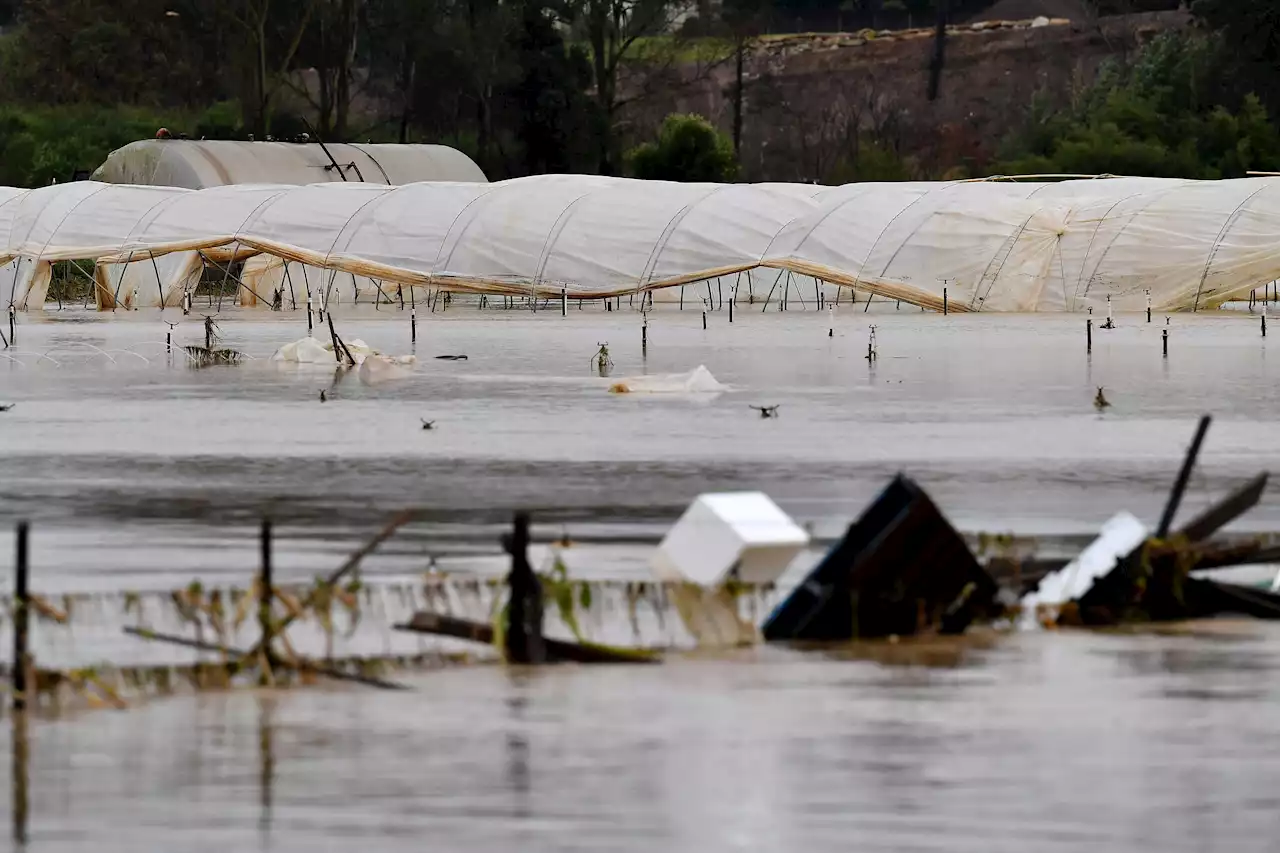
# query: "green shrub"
688,148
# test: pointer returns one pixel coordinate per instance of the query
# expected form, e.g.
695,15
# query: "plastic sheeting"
994,245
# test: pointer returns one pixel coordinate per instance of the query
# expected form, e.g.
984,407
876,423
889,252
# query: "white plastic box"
739,534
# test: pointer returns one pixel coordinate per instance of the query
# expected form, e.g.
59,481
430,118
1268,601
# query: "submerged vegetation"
211,354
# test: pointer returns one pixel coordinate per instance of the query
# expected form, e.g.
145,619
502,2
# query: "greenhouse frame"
992,245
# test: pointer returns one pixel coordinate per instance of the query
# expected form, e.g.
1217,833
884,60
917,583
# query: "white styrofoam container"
725,531
1118,537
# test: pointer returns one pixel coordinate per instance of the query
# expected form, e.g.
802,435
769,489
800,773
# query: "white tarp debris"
309,350
696,381
743,535
997,245
376,369
1118,537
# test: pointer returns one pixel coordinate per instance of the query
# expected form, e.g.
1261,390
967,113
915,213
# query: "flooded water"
124,461
137,471
1044,742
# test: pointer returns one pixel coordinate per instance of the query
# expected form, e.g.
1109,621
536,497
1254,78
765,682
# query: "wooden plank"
1227,510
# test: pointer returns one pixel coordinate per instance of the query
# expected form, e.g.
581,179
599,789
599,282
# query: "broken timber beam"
302,664
425,622
1226,511
352,562
1180,485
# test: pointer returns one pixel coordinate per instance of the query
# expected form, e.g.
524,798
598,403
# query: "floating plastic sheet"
696,381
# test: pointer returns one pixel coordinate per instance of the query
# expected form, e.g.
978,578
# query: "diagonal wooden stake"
302,664
352,562
1226,511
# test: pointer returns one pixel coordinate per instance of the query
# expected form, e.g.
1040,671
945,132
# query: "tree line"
536,86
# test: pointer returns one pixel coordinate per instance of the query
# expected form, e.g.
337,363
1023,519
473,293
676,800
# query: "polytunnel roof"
201,164
993,245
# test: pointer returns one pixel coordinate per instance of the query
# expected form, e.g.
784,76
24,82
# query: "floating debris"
209,354
696,381
729,536
1127,576
901,569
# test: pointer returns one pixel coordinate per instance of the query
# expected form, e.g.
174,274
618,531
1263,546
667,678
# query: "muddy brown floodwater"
140,473
1042,742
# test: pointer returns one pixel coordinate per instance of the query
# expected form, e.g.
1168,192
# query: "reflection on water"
20,775
266,761
1040,742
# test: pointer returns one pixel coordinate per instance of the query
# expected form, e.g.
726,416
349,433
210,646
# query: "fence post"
21,619
524,610
264,603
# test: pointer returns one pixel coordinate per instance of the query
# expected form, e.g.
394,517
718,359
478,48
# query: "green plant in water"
211,354
558,589
601,358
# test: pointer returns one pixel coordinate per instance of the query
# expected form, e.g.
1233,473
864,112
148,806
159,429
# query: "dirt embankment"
810,99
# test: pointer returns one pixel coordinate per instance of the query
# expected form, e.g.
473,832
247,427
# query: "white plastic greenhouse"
199,164
994,245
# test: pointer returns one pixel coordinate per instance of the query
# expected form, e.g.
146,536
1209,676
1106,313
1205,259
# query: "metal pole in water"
644,337
413,325
731,301
831,322
1148,306
1264,318
564,302
310,319
13,334
1088,335
944,302
704,321
168,341
1164,337
21,620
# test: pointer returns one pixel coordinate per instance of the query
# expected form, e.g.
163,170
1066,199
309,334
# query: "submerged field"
138,471
992,414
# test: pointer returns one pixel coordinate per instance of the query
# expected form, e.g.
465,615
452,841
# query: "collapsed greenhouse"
993,245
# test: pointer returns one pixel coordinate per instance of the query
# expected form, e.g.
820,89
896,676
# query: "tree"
1251,31
613,29
688,149
272,36
1160,117
549,97
107,51
329,46
745,20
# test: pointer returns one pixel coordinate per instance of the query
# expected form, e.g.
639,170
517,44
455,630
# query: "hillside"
813,102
